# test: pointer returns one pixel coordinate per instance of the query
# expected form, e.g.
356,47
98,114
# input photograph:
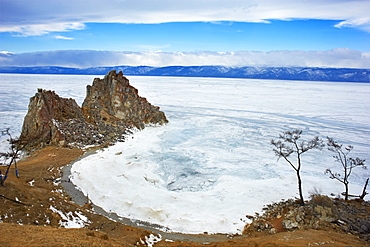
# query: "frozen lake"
213,163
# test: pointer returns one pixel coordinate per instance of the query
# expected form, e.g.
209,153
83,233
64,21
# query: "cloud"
6,53
39,17
5,56
362,23
336,58
63,37
40,29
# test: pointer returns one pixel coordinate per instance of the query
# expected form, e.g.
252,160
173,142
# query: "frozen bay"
213,163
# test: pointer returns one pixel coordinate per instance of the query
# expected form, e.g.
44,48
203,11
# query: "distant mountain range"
279,73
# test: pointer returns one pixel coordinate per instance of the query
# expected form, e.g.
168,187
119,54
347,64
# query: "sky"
322,33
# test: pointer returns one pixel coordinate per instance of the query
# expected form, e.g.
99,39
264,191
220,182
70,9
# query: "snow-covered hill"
279,73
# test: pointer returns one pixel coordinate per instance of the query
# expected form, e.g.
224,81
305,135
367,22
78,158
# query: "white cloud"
362,23
39,17
5,56
63,37
337,58
6,53
40,29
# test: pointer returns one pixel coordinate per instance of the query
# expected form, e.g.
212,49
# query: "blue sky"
167,30
196,36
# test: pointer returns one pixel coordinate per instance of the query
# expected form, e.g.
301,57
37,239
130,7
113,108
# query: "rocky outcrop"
45,109
113,100
320,213
111,108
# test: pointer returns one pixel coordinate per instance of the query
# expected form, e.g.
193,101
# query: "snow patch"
151,240
71,221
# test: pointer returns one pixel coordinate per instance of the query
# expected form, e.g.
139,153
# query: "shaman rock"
45,109
111,108
113,100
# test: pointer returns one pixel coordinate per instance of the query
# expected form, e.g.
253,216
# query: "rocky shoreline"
320,213
39,189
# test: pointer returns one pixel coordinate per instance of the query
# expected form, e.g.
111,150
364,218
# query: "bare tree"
10,157
342,156
289,144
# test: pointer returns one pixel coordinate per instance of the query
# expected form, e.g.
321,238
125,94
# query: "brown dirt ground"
27,219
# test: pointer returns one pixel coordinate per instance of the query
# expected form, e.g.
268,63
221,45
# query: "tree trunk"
300,188
346,193
364,193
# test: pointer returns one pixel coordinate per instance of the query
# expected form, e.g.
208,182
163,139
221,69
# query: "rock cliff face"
111,108
46,108
113,100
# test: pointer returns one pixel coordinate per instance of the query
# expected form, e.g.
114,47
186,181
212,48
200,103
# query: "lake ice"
213,163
